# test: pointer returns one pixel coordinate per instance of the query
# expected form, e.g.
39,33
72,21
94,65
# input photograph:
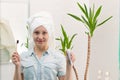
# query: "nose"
40,36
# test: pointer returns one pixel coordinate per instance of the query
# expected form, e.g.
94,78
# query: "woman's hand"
16,58
16,61
69,65
73,57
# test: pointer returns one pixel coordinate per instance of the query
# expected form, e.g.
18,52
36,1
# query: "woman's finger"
15,58
72,57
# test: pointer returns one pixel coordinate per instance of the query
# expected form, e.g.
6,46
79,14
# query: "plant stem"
88,58
76,73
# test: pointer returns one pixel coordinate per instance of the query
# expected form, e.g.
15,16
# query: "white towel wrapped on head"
46,20
43,18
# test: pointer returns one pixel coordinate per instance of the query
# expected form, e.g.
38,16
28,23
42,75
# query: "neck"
40,50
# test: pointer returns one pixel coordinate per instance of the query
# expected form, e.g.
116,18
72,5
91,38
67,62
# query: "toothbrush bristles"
17,41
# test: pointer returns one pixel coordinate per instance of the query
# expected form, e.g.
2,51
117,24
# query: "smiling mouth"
40,41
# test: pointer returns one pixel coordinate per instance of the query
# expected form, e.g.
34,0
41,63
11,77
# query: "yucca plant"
66,43
90,20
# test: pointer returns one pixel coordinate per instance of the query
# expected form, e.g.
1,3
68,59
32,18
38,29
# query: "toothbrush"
16,44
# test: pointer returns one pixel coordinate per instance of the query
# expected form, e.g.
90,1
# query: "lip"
39,41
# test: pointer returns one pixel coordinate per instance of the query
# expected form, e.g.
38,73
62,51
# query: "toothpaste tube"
69,56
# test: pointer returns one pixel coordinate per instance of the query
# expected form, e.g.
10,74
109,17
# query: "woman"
41,62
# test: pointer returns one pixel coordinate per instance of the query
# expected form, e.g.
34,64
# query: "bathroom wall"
104,52
105,42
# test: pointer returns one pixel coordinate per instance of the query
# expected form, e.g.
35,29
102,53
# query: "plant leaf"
57,38
75,17
104,21
81,8
89,19
86,11
85,21
97,13
70,42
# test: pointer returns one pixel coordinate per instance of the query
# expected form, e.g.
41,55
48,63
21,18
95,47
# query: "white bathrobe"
7,41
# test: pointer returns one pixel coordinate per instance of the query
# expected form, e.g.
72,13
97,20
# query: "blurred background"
104,44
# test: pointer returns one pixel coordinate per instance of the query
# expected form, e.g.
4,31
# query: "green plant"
26,44
66,41
90,20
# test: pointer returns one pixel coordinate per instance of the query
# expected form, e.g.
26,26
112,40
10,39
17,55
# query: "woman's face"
40,36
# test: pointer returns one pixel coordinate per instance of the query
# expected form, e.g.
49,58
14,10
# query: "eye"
44,33
36,32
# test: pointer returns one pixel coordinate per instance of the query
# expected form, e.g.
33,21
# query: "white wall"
104,53
6,71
